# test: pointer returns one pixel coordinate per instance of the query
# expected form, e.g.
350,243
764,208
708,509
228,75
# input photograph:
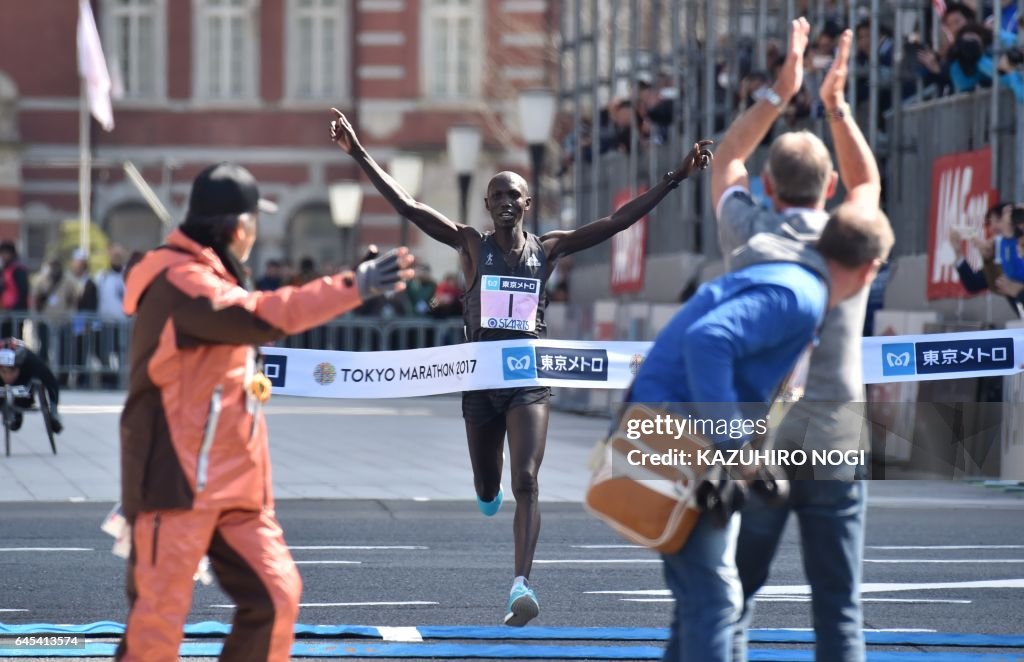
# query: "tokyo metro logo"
898,359
518,363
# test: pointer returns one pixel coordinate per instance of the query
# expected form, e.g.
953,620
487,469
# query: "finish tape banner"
936,356
453,368
605,365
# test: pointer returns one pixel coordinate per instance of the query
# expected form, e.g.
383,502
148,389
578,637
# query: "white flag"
92,67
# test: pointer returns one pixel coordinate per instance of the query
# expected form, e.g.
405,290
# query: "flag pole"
95,101
84,171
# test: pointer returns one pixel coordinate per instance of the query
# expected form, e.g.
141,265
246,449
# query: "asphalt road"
441,563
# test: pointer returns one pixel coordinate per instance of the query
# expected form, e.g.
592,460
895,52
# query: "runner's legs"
527,437
486,442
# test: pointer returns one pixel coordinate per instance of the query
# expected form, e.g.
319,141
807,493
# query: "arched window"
134,226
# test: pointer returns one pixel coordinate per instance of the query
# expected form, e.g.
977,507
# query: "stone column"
10,161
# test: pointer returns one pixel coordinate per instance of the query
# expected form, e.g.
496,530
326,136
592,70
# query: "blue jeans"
703,580
831,517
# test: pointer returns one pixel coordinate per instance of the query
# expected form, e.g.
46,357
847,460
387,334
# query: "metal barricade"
345,334
371,334
932,129
87,352
82,350
403,333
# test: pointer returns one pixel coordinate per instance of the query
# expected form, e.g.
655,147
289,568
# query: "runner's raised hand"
699,158
342,132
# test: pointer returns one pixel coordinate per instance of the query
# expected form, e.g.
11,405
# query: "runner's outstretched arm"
560,243
431,221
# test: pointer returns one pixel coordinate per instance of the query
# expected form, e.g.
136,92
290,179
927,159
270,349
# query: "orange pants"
251,561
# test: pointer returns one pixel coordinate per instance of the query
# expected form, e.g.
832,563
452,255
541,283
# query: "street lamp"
407,170
346,200
536,116
463,149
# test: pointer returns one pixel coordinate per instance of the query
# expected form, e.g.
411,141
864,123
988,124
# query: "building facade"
252,81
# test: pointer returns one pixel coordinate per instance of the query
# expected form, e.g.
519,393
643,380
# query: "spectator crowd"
71,316
977,41
1001,249
424,297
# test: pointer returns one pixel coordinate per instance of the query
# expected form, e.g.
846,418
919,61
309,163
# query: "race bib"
509,302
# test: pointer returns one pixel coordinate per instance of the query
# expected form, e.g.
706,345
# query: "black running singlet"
507,302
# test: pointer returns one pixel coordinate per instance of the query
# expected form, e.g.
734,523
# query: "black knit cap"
224,189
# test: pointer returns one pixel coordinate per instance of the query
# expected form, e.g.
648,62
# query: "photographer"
971,65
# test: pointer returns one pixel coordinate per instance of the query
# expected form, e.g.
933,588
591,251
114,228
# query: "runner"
527,260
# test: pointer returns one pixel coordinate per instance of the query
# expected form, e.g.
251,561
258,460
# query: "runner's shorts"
485,406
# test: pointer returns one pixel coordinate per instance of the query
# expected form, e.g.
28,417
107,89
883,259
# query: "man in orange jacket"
195,463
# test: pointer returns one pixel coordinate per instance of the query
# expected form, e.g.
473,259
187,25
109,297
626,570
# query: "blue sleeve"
1010,261
1012,80
758,319
1007,38
961,81
1013,268
973,281
1015,82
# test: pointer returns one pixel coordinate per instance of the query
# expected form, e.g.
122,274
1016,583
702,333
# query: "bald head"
509,177
799,170
508,198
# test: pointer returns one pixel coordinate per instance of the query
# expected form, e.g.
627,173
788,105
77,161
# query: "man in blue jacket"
726,352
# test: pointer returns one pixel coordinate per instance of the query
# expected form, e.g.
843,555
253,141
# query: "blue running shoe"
522,606
490,508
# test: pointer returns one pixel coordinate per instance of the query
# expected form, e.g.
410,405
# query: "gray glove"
379,276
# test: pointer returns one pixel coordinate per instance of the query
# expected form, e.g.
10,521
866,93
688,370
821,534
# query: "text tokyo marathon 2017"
432,371
746,457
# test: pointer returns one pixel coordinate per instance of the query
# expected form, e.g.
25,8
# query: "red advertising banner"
961,193
629,250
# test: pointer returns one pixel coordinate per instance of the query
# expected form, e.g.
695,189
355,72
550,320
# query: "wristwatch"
766,93
670,178
838,113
